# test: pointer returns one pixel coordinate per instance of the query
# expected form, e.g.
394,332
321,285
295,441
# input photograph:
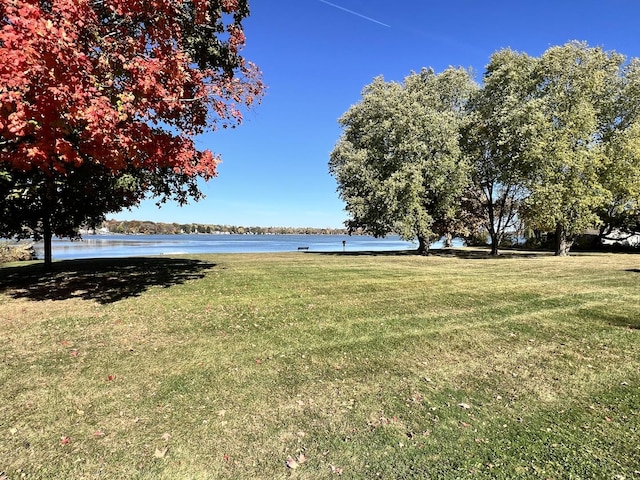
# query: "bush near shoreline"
17,252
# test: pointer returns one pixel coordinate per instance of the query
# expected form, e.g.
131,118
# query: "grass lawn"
308,365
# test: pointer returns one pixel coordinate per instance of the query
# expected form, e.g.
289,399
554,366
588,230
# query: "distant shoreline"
148,227
227,233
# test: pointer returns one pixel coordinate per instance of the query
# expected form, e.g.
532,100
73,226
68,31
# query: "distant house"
96,231
622,238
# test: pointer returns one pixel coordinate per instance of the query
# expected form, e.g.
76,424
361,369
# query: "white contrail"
355,13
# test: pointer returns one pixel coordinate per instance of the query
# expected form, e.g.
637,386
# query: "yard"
308,365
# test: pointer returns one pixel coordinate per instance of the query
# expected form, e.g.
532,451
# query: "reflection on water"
92,246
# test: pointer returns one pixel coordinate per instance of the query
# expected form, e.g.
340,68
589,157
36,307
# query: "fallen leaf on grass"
293,463
166,436
98,433
336,470
64,440
111,377
74,353
160,452
465,424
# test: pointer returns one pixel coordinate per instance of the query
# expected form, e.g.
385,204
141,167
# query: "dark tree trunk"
563,242
493,234
47,236
496,238
423,246
495,242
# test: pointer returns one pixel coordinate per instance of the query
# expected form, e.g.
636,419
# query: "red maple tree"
115,87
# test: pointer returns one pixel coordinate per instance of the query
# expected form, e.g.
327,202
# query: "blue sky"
317,55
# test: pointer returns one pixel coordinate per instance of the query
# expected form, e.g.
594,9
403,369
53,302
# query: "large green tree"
576,93
555,141
398,163
112,92
497,139
621,136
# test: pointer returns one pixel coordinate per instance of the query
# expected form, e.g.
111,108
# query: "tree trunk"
448,240
423,246
563,242
47,236
494,245
495,241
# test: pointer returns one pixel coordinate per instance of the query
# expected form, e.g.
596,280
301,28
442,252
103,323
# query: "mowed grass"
309,365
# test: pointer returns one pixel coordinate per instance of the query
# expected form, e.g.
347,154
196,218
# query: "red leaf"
111,377
64,440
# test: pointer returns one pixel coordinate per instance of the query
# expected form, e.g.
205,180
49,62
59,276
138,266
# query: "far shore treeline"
159,228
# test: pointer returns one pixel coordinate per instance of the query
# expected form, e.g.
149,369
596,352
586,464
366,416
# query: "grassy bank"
317,365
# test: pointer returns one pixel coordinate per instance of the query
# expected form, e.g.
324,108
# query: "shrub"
16,252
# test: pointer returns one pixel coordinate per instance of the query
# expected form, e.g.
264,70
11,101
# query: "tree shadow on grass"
619,320
476,253
466,253
104,280
367,253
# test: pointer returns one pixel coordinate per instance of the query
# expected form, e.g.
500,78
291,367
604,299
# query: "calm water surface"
92,246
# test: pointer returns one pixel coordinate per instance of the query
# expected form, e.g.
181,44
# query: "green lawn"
360,366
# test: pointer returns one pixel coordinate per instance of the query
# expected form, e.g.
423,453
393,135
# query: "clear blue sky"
317,55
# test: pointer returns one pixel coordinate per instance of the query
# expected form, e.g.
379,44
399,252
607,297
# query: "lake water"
92,246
